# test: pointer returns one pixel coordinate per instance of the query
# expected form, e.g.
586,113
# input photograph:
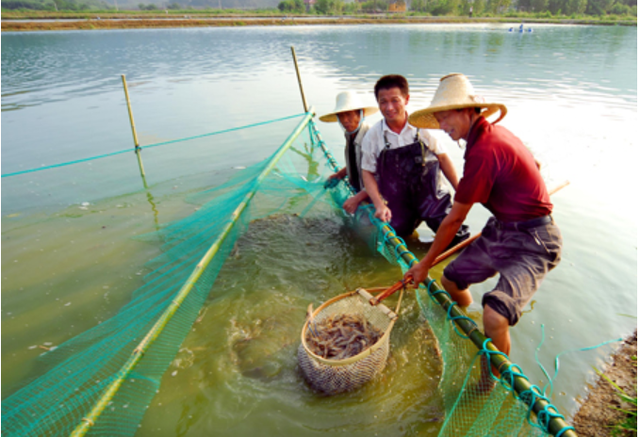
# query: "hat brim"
332,117
424,118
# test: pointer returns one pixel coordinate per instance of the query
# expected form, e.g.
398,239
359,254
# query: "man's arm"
448,169
339,174
371,187
351,204
445,234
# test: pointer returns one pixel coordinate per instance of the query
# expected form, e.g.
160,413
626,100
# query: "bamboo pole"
295,62
88,421
520,384
133,130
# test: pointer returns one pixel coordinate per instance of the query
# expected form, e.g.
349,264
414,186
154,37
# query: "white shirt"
373,142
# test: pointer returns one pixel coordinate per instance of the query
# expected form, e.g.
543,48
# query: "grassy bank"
605,412
190,18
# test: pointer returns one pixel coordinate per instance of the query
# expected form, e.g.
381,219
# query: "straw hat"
454,92
347,101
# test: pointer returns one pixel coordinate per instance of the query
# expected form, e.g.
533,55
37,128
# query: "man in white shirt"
402,166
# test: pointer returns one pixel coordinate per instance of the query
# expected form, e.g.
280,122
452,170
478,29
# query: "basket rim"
368,351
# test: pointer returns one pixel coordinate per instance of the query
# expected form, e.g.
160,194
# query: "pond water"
69,260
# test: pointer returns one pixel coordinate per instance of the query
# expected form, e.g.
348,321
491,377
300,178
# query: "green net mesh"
101,382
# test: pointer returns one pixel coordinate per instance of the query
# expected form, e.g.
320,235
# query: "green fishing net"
102,370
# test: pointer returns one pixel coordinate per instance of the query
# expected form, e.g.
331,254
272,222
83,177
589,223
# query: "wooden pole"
295,62
133,130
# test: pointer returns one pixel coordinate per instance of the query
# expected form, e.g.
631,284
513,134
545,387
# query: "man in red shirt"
520,242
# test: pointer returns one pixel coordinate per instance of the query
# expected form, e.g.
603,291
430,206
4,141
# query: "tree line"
539,8
544,8
55,5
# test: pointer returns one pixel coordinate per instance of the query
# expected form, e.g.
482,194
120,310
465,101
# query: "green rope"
556,360
223,131
64,164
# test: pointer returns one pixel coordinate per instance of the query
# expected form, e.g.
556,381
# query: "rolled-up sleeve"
432,142
369,161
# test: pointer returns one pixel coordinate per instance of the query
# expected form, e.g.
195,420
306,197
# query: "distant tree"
539,5
293,6
351,8
575,7
523,5
174,5
620,9
598,7
329,7
375,6
420,5
505,5
479,7
497,6
323,6
26,4
556,6
446,7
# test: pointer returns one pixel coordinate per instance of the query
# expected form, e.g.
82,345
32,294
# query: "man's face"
456,123
392,104
350,120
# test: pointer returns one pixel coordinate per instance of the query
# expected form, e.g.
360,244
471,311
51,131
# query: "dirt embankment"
113,21
597,414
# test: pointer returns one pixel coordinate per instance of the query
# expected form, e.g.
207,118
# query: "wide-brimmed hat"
347,101
454,92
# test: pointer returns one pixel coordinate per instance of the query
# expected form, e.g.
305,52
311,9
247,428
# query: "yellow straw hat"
347,101
454,92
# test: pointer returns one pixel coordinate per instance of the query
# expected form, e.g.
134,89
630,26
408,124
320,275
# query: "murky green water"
69,260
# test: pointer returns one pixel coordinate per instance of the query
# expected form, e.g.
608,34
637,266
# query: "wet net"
101,382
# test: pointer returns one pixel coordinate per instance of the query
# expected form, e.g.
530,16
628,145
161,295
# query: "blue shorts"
521,253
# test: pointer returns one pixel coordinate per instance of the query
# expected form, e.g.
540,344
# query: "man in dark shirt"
350,114
520,241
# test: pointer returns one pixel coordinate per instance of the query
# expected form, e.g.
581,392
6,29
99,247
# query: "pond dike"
115,21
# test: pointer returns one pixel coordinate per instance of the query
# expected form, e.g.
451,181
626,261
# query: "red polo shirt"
501,173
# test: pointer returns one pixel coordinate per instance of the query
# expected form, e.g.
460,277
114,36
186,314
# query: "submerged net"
101,382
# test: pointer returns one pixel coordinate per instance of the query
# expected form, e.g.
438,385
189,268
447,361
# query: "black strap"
353,166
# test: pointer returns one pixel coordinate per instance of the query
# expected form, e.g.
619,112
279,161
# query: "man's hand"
383,213
351,204
417,274
339,174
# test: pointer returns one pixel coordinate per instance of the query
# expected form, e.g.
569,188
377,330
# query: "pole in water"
295,62
133,130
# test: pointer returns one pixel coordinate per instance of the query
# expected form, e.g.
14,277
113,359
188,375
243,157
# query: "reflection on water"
571,93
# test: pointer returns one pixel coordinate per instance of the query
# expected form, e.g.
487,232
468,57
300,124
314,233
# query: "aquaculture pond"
71,257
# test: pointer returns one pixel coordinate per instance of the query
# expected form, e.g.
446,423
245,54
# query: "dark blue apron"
410,180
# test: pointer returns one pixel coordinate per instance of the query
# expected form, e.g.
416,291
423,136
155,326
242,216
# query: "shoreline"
597,413
125,21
